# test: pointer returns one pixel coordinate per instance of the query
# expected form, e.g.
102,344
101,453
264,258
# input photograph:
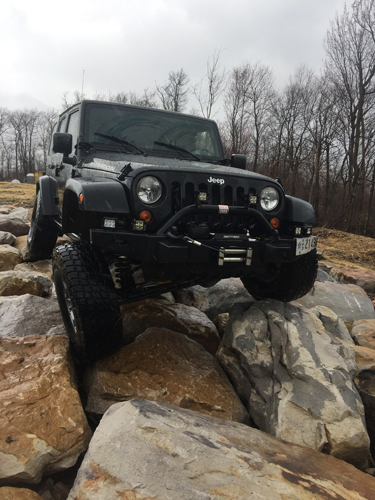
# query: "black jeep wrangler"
151,205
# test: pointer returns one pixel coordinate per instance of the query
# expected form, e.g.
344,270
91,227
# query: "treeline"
317,134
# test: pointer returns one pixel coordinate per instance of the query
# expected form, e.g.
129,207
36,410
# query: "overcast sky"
127,45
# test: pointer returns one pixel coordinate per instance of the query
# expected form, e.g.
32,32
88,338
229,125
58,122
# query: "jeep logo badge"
216,181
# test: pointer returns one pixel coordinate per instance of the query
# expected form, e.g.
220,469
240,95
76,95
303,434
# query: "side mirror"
238,161
62,143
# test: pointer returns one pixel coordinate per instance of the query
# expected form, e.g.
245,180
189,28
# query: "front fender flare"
103,196
48,191
298,210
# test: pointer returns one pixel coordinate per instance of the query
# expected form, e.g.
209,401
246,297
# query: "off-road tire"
294,280
43,232
88,301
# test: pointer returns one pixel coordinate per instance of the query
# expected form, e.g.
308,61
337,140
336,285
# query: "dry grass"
346,248
19,195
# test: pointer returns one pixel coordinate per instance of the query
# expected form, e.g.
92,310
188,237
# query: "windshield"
151,131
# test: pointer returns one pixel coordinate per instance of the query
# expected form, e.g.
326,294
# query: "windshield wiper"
177,148
119,141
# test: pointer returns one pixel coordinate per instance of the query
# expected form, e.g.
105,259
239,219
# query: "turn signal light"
81,198
275,223
145,215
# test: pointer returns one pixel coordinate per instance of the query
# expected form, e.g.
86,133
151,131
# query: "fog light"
145,215
109,223
275,223
309,230
253,199
298,231
139,225
202,196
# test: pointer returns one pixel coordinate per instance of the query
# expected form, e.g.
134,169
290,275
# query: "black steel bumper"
163,247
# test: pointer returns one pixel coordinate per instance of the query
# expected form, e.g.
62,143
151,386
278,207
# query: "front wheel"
294,280
43,232
88,301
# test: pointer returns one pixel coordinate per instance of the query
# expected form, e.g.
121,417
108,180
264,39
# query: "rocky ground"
212,396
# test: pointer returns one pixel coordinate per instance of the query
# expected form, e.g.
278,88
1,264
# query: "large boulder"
146,450
296,379
22,282
365,278
365,381
159,313
43,428
30,315
363,355
216,299
9,257
349,302
43,267
161,365
15,225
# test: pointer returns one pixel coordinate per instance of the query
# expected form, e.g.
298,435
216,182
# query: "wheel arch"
48,191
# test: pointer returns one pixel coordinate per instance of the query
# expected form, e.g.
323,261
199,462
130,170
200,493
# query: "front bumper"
163,247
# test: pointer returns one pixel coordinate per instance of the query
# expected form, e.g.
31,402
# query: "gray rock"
332,323
7,238
29,315
349,302
324,276
19,213
16,226
216,299
146,450
297,379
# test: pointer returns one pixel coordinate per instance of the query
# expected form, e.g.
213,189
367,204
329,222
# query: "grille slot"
183,195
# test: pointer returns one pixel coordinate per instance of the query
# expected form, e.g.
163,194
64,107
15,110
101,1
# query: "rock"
22,282
363,332
296,379
324,276
145,450
6,209
221,322
349,302
9,257
43,428
16,226
139,316
10,493
19,213
363,355
365,278
42,267
7,238
332,323
162,365
21,242
216,299
365,382
30,315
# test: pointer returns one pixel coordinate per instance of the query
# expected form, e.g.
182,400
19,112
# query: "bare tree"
174,93
350,66
210,88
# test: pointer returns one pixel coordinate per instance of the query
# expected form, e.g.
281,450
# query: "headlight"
149,190
269,198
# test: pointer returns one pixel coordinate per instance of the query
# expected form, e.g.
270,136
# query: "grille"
183,195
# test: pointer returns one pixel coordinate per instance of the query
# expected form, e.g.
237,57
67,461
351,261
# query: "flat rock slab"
30,315
43,428
139,316
164,366
349,302
152,451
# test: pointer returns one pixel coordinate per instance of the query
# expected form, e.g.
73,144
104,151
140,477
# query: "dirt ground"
337,246
19,195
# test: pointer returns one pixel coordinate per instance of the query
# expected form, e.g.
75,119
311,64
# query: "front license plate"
305,245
